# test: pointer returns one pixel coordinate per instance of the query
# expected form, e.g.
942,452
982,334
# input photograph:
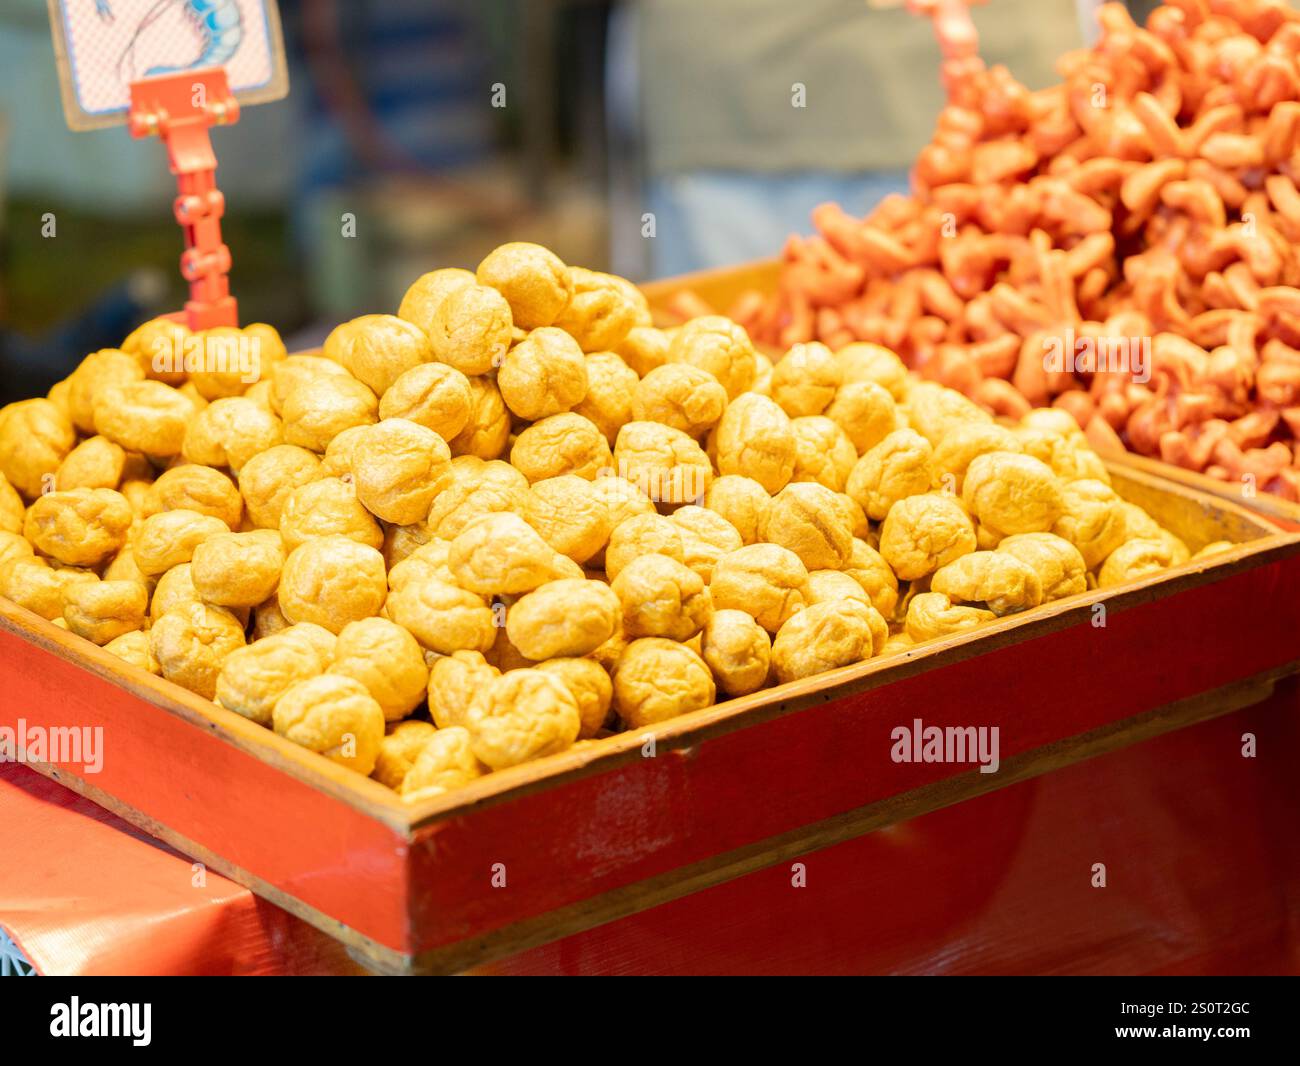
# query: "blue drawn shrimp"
218,23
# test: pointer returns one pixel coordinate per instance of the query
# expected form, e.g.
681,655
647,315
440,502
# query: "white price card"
102,46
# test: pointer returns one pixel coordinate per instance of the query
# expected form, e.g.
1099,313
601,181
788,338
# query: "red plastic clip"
181,109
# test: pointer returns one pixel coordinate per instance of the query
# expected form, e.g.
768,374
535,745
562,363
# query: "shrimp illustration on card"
217,27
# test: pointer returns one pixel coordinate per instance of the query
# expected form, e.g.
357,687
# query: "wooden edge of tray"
1273,507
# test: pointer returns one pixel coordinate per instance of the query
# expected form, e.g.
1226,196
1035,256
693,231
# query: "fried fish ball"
95,463
93,375
1132,560
1011,493
666,464
1059,564
923,533
337,461
324,508
1091,518
865,412
658,679
174,589
443,618
422,300
1069,456
191,644
169,538
805,379
868,568
755,439
610,387
321,641
254,677
623,499
35,438
398,468
898,467
765,580
826,636
334,716
230,431
874,363
429,561
159,347
682,396
292,372
102,611
133,648
143,416
11,506
191,487
1054,420
453,681
435,395
267,479
399,749
742,501
332,581
35,586
643,535
804,518
600,311
501,554
953,454
738,651
387,660
13,546
520,716
827,586
534,281
378,349
932,614
706,538
445,762
644,348
933,410
544,374
320,408
823,452
1214,548
238,569
488,429
570,516
721,347
660,597
268,619
563,619
475,488
561,444
222,361
997,579
79,527
471,329
590,686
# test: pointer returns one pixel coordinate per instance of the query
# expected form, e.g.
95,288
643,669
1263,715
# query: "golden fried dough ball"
95,463
445,762
738,651
238,569
923,533
13,546
600,311
222,361
488,429
610,386
742,501
590,686
570,516
230,431
953,454
474,491
721,347
435,395
399,749
443,618
318,638
324,508
337,461
1091,518
898,467
997,579
169,538
133,648
35,438
522,715
1059,565
378,349
1054,420
267,479
191,644
94,374
933,410
269,345
332,581
623,499
644,348
868,568
1011,493
34,585
805,518
320,408
102,611
544,374
80,527
680,395
666,464
563,619
387,660
805,380
823,452
755,439
471,329
422,299
501,554
932,614
1133,560
143,416
826,636
268,619
660,597
706,538
334,716
190,487
827,586
871,362
429,561
174,589
765,580
292,372
1214,548
453,682
1069,456
561,444
640,535
122,567
254,677
865,411
534,281
658,679
11,506
398,467
159,347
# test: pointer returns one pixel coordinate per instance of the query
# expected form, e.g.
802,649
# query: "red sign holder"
181,109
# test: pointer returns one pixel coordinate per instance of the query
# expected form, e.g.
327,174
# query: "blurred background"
647,137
